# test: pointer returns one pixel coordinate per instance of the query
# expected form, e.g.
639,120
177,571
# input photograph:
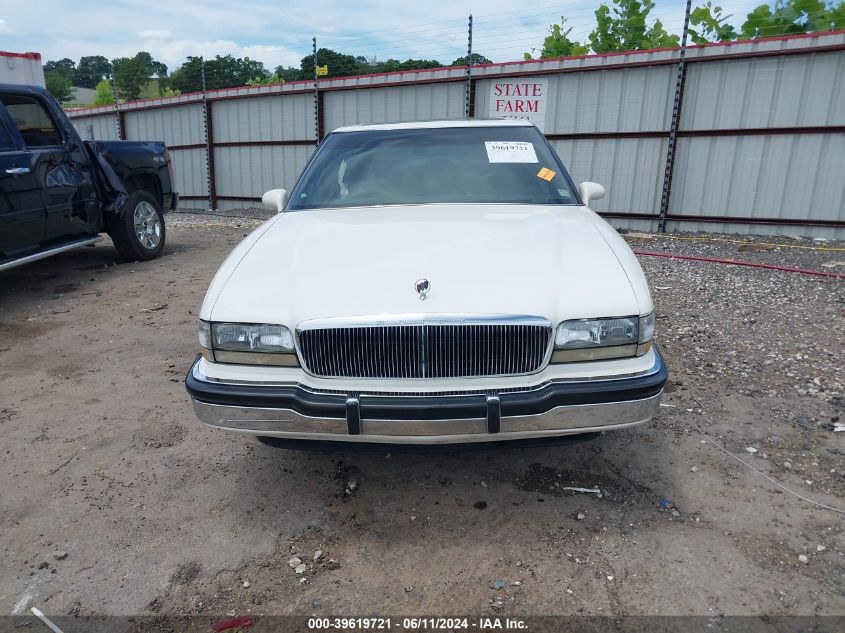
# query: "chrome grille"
424,350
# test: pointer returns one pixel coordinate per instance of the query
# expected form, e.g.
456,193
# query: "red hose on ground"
716,260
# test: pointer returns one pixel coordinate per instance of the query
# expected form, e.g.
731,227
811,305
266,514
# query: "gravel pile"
248,218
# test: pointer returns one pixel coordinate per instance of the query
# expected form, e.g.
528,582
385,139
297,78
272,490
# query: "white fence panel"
276,118
766,92
427,102
250,171
630,169
190,168
791,176
180,125
102,127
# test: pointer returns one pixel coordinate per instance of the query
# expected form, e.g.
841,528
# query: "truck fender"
115,201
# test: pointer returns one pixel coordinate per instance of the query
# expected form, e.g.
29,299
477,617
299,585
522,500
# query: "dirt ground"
114,499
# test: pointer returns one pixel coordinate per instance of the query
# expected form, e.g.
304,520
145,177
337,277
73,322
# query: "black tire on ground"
139,233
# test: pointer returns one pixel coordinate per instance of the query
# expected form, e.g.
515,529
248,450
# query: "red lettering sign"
519,100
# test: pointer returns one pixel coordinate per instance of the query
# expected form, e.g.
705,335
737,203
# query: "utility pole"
468,98
316,93
208,126
202,75
118,128
673,128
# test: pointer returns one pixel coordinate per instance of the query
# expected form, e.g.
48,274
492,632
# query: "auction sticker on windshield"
510,152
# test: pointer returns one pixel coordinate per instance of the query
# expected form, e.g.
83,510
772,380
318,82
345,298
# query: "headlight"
247,343
246,337
597,339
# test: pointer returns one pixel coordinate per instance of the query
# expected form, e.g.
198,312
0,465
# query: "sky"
279,33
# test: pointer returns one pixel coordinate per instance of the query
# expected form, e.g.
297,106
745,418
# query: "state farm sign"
519,99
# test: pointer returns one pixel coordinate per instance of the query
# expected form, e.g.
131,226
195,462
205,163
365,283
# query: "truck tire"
138,234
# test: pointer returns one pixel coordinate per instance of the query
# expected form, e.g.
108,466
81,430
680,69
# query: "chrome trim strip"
20,261
421,318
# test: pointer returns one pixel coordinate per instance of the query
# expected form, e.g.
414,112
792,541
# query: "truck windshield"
496,164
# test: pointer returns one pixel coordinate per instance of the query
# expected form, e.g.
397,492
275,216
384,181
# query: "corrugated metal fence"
761,142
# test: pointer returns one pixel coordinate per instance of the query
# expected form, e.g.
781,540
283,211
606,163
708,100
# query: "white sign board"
519,99
510,152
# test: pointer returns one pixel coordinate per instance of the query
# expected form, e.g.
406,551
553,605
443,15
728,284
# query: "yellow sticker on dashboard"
546,174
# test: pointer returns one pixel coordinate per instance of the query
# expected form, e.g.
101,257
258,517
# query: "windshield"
495,164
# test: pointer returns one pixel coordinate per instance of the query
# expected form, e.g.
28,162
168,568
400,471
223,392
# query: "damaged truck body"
58,192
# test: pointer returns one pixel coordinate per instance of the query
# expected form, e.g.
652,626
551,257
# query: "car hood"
554,262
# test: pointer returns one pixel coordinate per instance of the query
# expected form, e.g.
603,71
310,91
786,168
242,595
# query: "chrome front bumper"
566,420
554,408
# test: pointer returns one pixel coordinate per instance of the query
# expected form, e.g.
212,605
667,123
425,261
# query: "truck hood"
554,262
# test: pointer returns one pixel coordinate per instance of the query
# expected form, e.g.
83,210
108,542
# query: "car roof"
23,88
429,125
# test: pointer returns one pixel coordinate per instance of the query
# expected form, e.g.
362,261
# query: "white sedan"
429,283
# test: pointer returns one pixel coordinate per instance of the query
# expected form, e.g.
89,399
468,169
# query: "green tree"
64,66
58,78
105,94
229,71
340,65
477,58
91,70
221,72
558,44
656,36
393,65
287,73
59,85
787,17
624,28
131,74
712,25
188,77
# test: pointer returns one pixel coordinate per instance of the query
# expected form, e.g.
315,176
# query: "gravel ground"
748,333
104,461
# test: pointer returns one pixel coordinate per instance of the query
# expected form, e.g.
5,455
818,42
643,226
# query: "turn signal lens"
646,328
204,333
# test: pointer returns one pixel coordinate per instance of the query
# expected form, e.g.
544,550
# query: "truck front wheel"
139,233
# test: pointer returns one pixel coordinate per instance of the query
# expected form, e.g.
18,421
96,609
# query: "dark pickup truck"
58,192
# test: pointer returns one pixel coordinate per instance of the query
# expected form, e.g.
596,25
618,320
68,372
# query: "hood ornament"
422,286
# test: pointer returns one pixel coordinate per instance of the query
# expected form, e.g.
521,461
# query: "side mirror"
275,200
590,191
